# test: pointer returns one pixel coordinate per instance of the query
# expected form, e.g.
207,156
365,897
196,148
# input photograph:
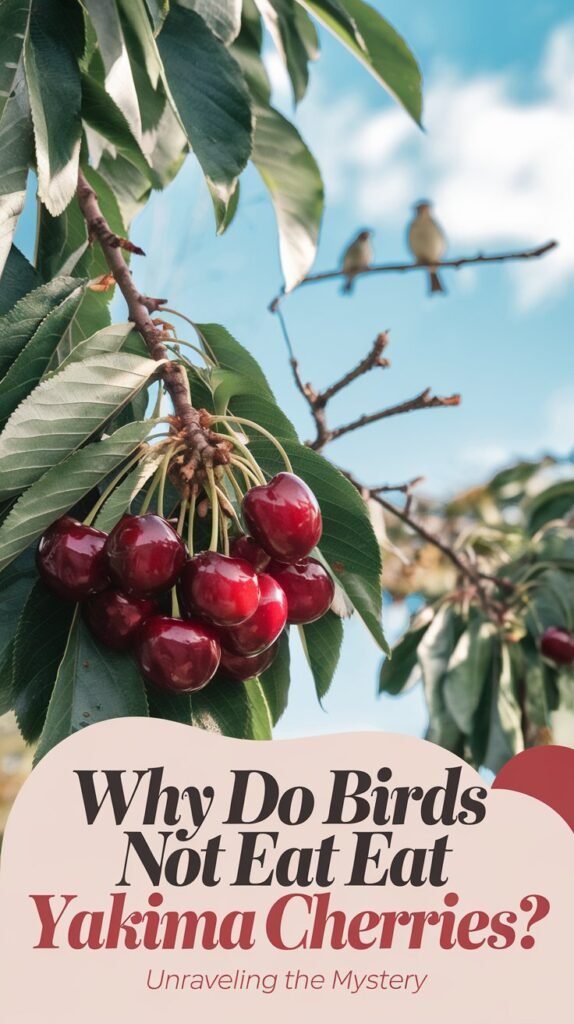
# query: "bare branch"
400,268
372,359
424,400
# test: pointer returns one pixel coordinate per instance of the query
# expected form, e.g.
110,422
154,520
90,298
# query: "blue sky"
498,159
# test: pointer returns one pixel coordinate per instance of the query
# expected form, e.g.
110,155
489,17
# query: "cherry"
175,655
308,588
284,517
264,626
240,668
218,587
145,555
114,618
70,559
558,645
247,548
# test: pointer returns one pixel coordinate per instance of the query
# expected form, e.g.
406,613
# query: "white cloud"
499,168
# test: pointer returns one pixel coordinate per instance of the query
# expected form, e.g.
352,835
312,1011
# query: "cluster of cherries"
557,644
233,607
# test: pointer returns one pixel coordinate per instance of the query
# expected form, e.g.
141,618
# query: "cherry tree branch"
203,450
401,268
424,400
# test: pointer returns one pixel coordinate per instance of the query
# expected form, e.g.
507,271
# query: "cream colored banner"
422,897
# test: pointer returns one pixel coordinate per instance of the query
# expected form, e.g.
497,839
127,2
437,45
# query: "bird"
427,242
357,257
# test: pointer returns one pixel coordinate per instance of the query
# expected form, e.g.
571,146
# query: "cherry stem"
248,474
181,517
224,535
163,470
248,458
191,522
111,487
175,610
227,506
195,348
231,477
214,508
255,426
158,401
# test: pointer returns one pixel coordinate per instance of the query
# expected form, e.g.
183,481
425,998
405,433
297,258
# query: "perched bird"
357,257
427,242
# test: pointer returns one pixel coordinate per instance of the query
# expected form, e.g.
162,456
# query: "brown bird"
357,257
427,242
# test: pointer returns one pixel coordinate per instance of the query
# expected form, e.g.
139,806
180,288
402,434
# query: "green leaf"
322,641
239,710
64,411
103,115
434,653
135,17
223,17
377,46
61,487
213,102
224,209
119,80
397,671
555,544
6,678
51,61
505,735
39,646
15,586
281,21
556,502
231,355
16,154
348,543
468,672
292,177
93,685
19,324
551,602
109,339
14,18
171,706
33,360
18,278
275,682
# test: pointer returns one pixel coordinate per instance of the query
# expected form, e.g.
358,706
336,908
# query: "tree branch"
401,268
204,450
424,400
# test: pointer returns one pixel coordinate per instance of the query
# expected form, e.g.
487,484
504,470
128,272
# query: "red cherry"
262,629
223,589
145,555
558,645
114,618
247,548
308,588
175,655
284,517
70,559
240,668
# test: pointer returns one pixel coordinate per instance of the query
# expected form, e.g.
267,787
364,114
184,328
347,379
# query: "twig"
424,400
394,268
203,451
475,576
